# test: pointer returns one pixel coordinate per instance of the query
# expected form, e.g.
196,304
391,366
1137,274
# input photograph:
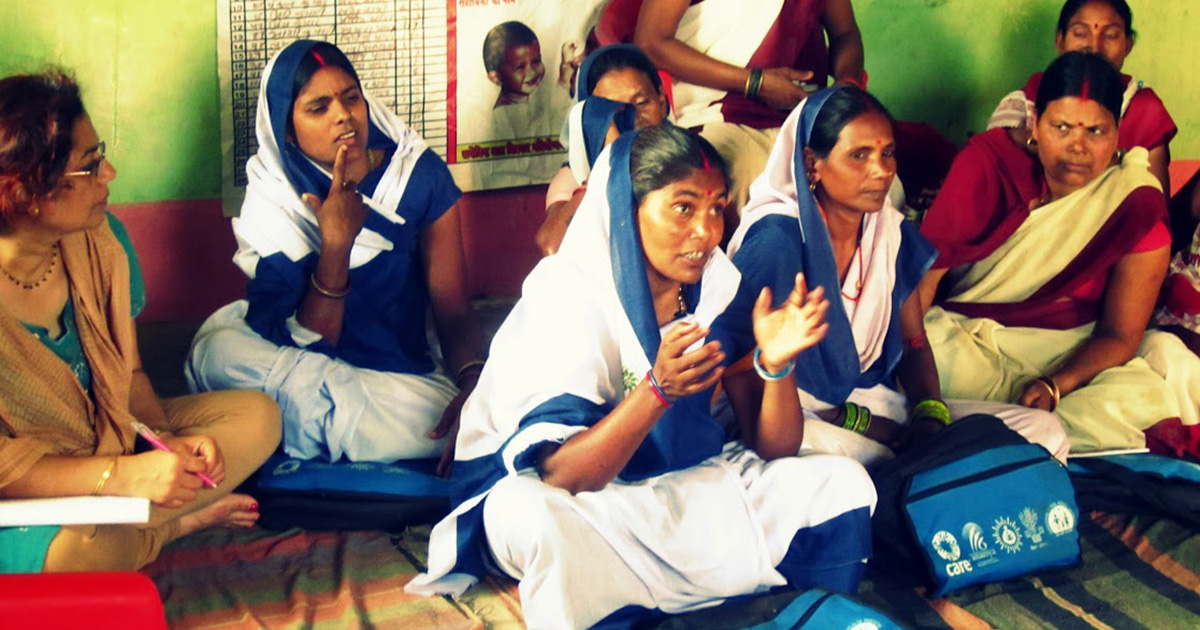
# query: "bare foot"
235,510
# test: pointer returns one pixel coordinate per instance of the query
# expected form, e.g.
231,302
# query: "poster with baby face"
513,64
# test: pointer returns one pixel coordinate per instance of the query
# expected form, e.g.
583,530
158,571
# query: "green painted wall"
148,68
948,62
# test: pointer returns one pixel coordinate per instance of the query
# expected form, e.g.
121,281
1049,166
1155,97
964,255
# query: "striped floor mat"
1137,572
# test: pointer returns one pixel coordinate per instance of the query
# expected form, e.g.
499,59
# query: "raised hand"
797,324
571,58
680,373
341,215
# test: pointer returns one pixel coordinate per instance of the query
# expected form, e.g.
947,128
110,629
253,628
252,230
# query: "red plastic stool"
97,601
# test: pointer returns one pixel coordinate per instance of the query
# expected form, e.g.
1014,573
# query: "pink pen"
153,439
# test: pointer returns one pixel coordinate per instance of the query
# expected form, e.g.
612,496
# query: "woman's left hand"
448,425
204,447
797,324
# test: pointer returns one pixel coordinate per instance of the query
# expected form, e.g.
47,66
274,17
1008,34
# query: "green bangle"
931,408
864,421
849,416
753,83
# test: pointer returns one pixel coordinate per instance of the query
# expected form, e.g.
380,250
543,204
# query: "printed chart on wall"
487,83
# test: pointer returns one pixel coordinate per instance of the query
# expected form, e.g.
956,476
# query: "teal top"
23,549
68,346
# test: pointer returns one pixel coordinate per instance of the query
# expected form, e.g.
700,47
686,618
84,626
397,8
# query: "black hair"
664,154
38,113
1071,7
621,58
498,40
1073,73
843,106
320,55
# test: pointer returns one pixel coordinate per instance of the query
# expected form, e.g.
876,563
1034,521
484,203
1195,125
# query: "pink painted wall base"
186,250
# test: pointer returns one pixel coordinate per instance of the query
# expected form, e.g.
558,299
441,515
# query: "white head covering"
782,189
273,217
582,336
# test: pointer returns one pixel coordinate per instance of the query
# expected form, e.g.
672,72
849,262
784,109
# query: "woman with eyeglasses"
72,386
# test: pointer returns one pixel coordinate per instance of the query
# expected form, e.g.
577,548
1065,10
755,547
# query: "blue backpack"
319,495
974,505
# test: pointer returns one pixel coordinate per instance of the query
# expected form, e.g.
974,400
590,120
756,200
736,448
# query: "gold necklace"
29,286
682,303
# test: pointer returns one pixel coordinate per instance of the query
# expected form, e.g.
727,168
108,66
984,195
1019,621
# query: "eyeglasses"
94,169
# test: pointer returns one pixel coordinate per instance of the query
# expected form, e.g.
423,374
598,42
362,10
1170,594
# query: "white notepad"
74,511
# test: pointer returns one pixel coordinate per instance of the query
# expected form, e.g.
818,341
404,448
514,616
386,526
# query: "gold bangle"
1051,387
327,292
458,376
112,465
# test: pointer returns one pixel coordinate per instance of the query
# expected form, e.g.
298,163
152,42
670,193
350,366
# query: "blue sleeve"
560,412
431,190
137,285
274,294
768,257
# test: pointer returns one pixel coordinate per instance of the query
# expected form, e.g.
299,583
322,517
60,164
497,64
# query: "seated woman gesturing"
72,383
1050,268
589,449
823,208
350,236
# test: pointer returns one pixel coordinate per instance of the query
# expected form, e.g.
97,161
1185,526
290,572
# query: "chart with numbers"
425,60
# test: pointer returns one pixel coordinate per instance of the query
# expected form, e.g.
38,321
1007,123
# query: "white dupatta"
775,192
273,218
570,343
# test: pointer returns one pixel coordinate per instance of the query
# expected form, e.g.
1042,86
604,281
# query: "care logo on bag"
865,624
1006,534
1060,519
980,553
946,546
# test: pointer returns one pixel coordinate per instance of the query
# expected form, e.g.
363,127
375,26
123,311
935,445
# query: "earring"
35,211
1119,155
812,187
1031,143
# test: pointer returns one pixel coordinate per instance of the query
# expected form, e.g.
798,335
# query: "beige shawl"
43,408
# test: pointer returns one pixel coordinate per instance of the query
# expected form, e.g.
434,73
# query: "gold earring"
36,211
812,187
1031,143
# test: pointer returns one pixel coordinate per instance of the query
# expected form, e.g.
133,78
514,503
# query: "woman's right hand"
167,478
779,87
342,214
680,373
1036,395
